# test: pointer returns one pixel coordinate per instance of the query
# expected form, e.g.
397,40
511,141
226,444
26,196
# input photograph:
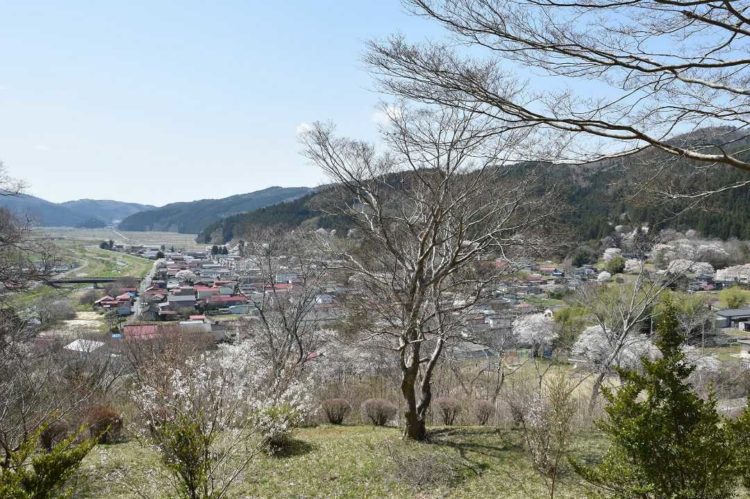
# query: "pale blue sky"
157,101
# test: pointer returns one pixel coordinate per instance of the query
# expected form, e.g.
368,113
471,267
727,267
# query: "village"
219,293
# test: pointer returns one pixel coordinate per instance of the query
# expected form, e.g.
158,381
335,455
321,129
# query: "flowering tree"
283,329
596,344
186,276
621,313
205,414
535,330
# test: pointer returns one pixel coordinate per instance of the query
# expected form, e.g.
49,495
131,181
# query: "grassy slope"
353,461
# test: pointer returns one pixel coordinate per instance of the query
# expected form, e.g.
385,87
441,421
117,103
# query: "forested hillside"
598,197
192,217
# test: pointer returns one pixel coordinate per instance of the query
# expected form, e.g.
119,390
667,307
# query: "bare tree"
443,197
629,74
547,425
288,273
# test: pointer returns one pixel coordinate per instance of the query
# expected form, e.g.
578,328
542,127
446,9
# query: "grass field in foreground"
355,461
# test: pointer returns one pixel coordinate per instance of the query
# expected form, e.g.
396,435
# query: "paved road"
145,284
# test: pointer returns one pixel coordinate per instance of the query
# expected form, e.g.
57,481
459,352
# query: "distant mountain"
83,213
193,217
109,211
41,212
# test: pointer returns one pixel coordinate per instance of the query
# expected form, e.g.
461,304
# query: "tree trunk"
415,428
595,392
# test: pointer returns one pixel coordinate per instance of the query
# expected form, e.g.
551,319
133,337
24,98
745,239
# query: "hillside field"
355,461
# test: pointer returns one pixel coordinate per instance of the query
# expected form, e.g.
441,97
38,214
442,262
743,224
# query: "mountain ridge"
191,217
90,213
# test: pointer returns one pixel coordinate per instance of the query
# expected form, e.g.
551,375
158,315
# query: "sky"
163,101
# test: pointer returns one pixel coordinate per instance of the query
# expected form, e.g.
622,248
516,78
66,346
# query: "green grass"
355,461
92,262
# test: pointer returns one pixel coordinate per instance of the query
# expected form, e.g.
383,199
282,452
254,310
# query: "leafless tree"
619,75
426,211
547,425
284,328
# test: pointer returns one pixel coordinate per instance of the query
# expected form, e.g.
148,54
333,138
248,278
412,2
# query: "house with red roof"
223,301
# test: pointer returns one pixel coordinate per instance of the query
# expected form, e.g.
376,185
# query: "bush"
336,410
53,434
421,468
105,424
89,297
274,424
734,297
378,411
483,411
42,475
448,409
615,266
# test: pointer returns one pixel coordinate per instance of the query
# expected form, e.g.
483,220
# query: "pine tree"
665,441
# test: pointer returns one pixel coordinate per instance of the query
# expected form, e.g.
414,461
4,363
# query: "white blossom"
535,330
611,253
603,276
596,345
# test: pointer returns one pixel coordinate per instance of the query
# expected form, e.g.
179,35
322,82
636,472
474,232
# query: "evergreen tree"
665,440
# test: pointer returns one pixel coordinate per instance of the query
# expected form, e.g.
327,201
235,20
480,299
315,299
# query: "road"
145,284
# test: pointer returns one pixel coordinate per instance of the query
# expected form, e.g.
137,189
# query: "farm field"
169,239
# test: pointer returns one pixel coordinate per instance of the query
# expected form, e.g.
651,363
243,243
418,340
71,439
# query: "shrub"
422,468
378,411
274,424
448,409
483,411
616,265
42,475
336,410
665,440
53,434
734,297
105,424
89,297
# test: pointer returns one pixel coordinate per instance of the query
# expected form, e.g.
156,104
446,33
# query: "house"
279,287
323,299
738,318
202,292
222,301
288,278
181,301
124,310
240,309
109,302
737,273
